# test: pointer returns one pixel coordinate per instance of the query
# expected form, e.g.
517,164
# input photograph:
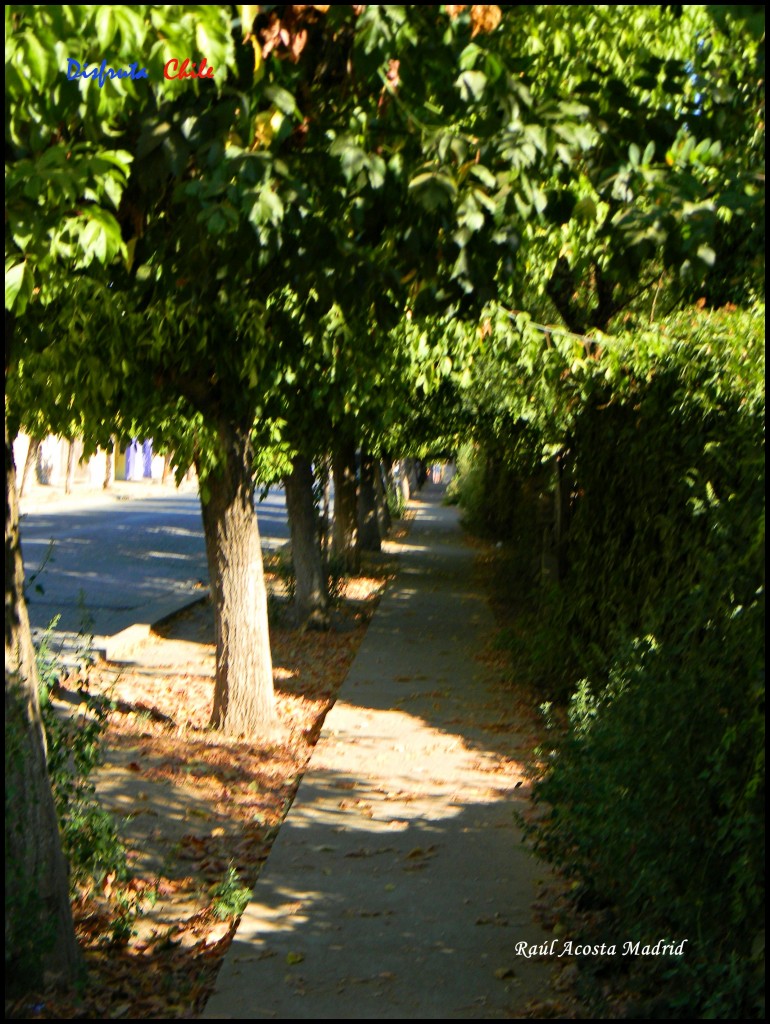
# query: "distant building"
134,462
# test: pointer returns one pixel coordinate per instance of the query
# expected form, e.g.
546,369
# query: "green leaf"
707,255
485,176
353,159
18,287
471,85
37,56
469,214
105,25
433,190
282,99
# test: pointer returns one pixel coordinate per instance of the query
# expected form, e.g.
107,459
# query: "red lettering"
187,69
208,73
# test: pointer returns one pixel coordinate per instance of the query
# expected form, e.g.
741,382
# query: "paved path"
398,887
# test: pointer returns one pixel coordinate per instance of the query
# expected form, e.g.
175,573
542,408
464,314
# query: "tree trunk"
109,463
410,474
368,528
346,546
70,467
326,505
243,688
387,473
311,599
39,933
381,501
563,486
29,463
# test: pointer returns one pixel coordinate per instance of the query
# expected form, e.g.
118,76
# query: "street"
104,567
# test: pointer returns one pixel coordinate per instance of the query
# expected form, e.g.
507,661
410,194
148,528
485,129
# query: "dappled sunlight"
408,765
401,846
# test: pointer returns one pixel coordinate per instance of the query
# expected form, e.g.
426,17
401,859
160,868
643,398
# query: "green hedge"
655,796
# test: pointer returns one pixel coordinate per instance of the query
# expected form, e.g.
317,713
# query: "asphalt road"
107,567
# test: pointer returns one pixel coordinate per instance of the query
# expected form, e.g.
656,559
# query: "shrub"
487,490
90,839
229,897
656,793
396,502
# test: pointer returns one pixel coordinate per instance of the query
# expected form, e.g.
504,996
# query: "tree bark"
563,486
109,463
368,527
410,474
243,688
311,600
29,463
39,933
381,501
326,505
345,545
68,480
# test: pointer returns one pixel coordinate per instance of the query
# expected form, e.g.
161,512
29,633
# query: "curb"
118,646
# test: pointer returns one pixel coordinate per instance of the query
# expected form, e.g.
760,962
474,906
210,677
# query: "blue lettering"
101,72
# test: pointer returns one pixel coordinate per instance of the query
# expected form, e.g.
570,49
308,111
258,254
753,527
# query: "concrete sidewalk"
398,886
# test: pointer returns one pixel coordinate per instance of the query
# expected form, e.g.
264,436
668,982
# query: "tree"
365,164
221,216
39,934
64,180
666,196
223,219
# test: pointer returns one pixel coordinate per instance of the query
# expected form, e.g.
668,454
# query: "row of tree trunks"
361,519
243,688
39,933
310,597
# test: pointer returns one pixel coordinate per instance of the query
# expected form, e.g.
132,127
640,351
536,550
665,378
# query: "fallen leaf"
294,958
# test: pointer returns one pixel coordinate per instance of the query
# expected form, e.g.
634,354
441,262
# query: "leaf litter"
195,808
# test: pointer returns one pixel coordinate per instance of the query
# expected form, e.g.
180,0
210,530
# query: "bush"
487,490
396,502
90,840
656,793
